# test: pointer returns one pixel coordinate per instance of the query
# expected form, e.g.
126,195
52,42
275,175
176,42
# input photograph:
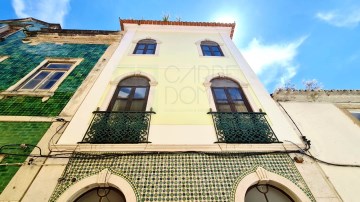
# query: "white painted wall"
334,138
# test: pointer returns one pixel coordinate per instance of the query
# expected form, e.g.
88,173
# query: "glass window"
266,193
145,46
46,77
228,96
356,114
130,95
210,48
102,194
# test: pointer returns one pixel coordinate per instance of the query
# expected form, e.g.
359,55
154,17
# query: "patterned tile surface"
180,176
17,133
24,57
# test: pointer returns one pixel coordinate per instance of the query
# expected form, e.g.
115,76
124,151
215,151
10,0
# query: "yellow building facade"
177,114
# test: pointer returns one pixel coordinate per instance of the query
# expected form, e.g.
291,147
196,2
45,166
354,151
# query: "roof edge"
178,23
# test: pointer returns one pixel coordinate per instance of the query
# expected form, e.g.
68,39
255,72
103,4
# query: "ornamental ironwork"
118,127
243,127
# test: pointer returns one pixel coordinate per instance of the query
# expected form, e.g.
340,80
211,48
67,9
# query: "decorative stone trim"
187,176
2,58
103,179
178,23
262,177
13,90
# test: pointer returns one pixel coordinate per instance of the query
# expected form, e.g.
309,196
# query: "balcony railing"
241,127
118,127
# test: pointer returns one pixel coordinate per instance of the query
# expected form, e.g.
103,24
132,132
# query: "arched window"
266,193
102,194
145,46
210,48
228,96
130,95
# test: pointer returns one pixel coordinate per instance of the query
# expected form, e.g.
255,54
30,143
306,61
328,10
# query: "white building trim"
276,119
262,176
80,122
104,179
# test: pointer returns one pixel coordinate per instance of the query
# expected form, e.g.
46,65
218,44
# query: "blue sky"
281,39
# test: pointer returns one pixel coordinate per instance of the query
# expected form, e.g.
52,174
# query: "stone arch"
262,176
103,179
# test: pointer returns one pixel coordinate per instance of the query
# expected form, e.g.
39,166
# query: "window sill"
45,95
146,55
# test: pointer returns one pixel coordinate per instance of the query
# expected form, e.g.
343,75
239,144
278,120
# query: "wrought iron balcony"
118,127
242,127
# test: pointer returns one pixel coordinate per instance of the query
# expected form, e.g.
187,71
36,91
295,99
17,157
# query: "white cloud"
274,63
341,18
52,11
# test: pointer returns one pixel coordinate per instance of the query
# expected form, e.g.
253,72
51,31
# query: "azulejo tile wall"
17,133
24,57
179,176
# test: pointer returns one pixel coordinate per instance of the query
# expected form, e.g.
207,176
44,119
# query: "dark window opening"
228,96
130,95
145,46
210,48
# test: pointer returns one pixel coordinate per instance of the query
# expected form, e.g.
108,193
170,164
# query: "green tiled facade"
179,176
24,57
17,133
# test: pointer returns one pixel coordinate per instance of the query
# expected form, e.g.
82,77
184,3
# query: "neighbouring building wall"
28,120
17,133
23,58
334,133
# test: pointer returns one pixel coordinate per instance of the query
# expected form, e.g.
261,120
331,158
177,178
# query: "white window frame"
2,58
15,89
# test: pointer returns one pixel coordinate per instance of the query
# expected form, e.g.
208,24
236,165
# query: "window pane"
47,84
52,80
139,51
215,48
59,66
150,51
137,105
140,93
57,75
119,105
124,92
151,46
356,115
224,108
217,53
205,48
36,80
41,75
141,46
235,94
207,53
240,107
31,84
220,94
